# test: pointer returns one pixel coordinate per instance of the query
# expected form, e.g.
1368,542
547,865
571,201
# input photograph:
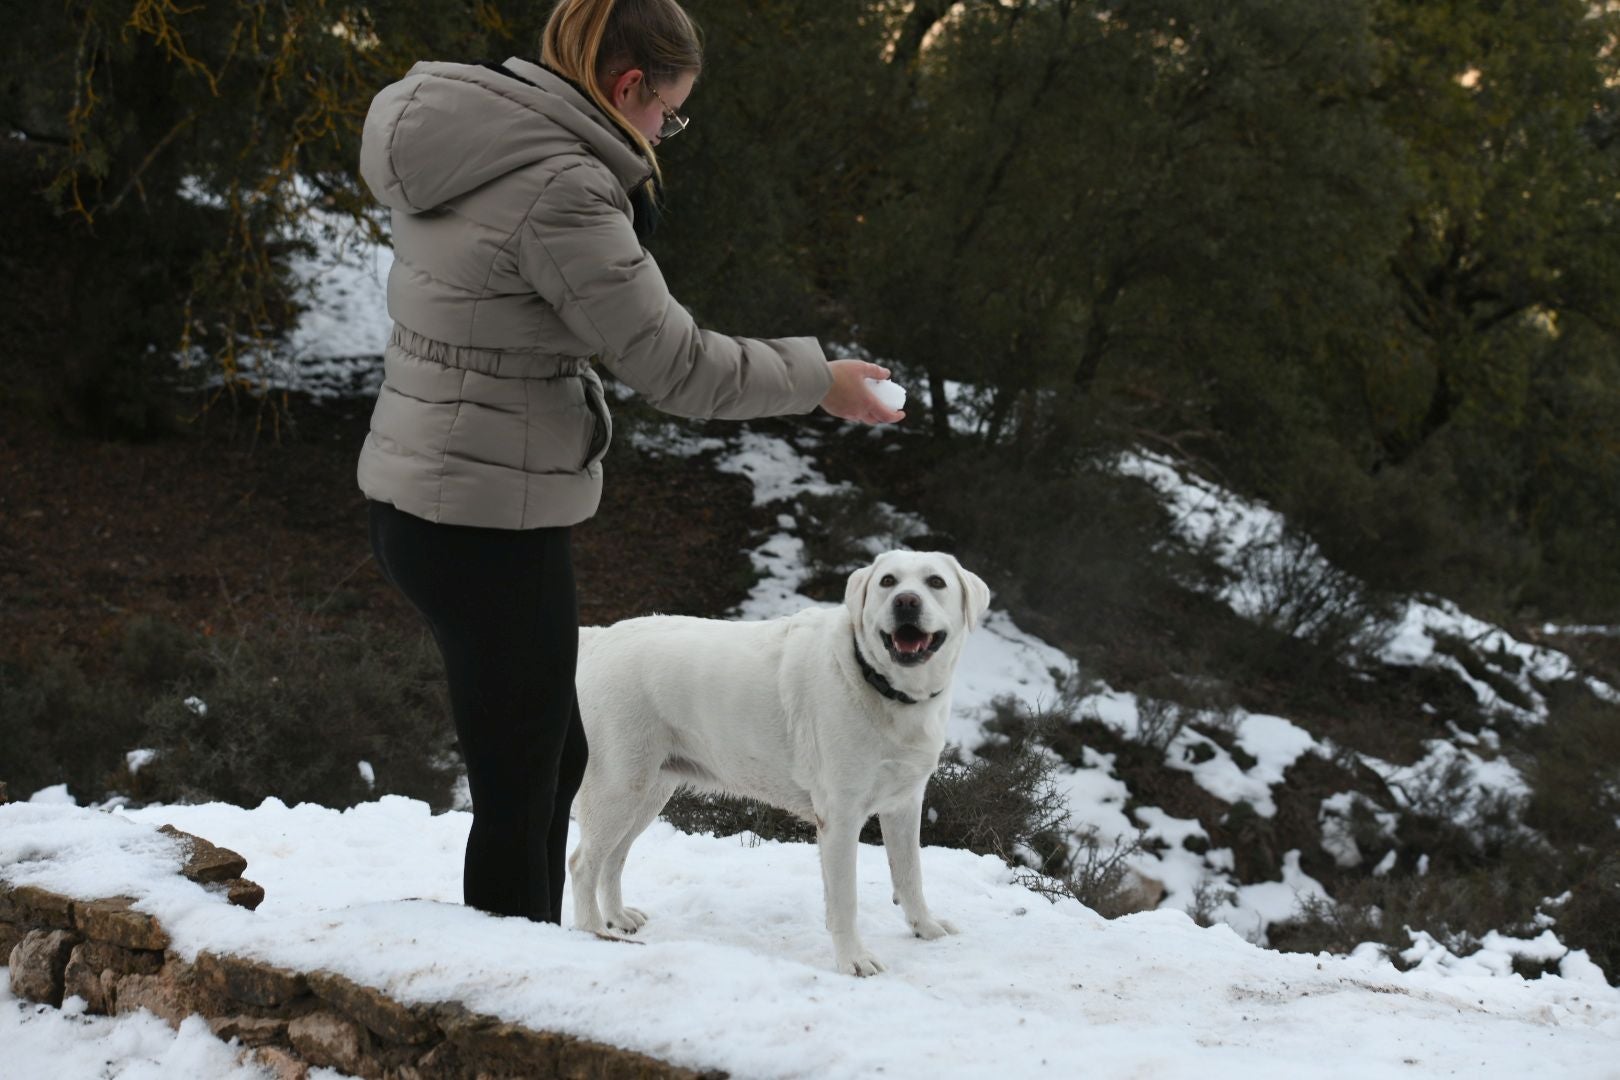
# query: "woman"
520,196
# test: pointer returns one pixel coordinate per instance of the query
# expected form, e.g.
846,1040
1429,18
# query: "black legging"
501,605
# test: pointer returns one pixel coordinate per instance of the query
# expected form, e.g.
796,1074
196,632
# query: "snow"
737,970
44,1042
1254,544
346,294
1594,631
889,392
1425,623
776,469
1256,906
1450,781
1095,796
1338,840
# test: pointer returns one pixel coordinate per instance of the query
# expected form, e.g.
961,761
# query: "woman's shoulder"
577,179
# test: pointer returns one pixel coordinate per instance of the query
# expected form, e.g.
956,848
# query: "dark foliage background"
1357,258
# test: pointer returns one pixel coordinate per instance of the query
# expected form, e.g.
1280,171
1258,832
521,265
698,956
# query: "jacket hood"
445,129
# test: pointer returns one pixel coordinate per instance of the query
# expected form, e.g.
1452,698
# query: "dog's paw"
933,929
860,964
629,920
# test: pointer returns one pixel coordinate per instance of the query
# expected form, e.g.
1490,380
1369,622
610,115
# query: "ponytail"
583,39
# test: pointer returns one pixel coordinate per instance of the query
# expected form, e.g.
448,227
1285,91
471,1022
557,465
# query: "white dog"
833,714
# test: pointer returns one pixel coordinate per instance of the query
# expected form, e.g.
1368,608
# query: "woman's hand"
850,399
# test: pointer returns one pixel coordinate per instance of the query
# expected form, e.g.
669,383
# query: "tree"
178,149
1142,213
1507,109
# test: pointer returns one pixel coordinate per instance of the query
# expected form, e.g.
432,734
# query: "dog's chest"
898,771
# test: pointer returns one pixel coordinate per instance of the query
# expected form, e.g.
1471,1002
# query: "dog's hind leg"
621,795
585,864
652,800
608,803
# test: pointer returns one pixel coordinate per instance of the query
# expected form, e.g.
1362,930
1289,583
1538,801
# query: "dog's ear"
975,593
855,594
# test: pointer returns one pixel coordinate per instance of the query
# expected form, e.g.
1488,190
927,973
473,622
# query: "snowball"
892,394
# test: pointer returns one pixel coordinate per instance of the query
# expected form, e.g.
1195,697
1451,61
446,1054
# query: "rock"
29,905
10,934
1138,892
282,1064
207,862
476,1045
114,922
4,798
384,1016
106,957
174,993
244,893
325,1038
251,1030
251,982
158,995
37,965
81,980
94,967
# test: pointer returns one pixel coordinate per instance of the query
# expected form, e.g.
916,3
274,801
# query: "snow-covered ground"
737,974
737,971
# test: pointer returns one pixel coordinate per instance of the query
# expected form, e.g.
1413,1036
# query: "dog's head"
911,611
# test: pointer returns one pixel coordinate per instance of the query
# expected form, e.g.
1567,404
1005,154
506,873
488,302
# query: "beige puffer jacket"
516,264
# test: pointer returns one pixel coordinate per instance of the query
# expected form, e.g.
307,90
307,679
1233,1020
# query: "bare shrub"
286,709
60,726
709,814
1284,582
1101,878
1209,897
1161,722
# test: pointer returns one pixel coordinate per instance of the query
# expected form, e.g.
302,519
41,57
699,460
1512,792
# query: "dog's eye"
936,582
887,581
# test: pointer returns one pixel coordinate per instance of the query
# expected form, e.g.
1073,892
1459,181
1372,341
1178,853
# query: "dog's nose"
908,604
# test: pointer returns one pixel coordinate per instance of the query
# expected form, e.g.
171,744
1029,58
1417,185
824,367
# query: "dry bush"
1100,878
289,710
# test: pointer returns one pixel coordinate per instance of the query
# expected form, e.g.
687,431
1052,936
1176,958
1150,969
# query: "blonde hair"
584,39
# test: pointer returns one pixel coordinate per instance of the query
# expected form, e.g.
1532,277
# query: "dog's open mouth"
911,644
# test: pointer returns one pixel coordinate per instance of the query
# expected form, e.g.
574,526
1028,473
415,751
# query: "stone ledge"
117,959
205,862
113,922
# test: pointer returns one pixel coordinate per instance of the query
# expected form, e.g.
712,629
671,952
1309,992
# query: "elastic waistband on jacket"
497,363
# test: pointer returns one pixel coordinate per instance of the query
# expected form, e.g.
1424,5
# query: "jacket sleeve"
579,252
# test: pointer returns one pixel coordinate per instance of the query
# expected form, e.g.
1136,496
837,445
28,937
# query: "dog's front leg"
838,840
901,830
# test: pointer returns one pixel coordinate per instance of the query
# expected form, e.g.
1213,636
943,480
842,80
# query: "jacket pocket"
601,420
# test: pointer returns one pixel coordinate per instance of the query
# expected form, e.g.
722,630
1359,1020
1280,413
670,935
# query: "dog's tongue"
909,639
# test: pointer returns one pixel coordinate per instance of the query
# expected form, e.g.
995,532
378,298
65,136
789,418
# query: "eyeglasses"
674,122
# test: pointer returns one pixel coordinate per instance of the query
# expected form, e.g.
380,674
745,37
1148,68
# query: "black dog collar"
881,684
